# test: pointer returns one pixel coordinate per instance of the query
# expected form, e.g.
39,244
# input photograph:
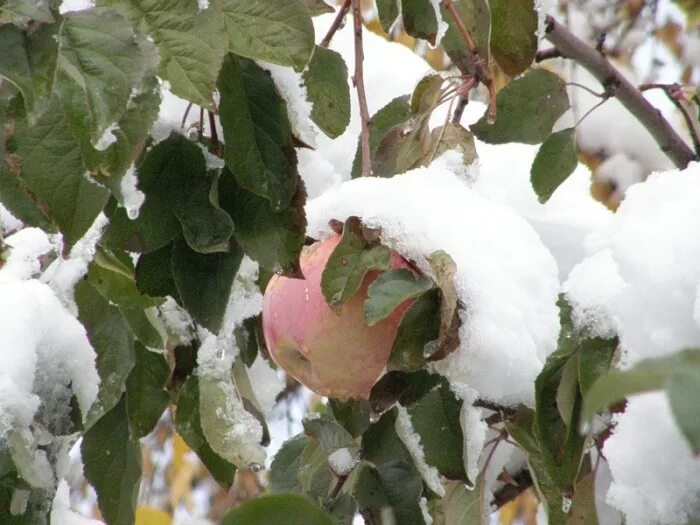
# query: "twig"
459,110
629,96
214,134
578,122
336,23
184,117
547,54
604,94
674,92
200,131
480,66
359,81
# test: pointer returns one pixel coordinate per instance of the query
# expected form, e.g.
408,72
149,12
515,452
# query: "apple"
334,354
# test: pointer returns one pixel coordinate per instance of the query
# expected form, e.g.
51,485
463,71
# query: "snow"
75,5
505,277
266,382
342,461
642,280
8,222
108,137
61,512
408,436
132,198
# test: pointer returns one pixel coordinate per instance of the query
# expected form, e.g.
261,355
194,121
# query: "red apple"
334,354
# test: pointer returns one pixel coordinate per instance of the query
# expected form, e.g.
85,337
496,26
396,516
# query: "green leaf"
527,108
110,336
154,274
419,19
191,43
394,113
112,465
330,434
347,266
315,475
439,409
100,52
513,38
419,326
460,506
204,281
568,391
388,13
17,198
188,425
583,506
353,414
281,33
143,327
476,16
395,484
146,397
259,146
449,137
555,161
390,290
290,509
318,7
115,281
20,12
284,471
381,444
53,170
326,81
594,360
426,94
683,392
646,376
28,61
272,238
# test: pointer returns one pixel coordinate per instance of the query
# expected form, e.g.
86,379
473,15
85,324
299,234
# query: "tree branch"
358,80
336,23
629,96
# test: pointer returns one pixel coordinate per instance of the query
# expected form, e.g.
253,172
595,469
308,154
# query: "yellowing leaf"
150,516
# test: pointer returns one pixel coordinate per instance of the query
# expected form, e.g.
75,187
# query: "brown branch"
519,483
214,135
459,110
359,82
674,92
336,23
629,96
547,54
475,65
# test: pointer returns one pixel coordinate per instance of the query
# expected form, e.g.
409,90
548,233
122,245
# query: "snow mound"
505,276
643,279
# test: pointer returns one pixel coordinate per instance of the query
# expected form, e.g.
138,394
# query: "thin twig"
481,71
359,81
184,117
629,96
214,135
592,92
442,130
547,54
200,131
336,23
459,110
578,122
674,92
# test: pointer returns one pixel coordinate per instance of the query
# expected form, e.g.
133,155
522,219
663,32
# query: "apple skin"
334,354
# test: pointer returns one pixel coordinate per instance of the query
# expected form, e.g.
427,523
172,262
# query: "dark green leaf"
143,328
426,94
20,12
259,147
110,336
568,391
112,465
351,259
419,326
391,289
284,471
268,30
555,161
403,387
145,390
594,359
317,7
343,509
290,509
188,425
353,414
100,52
315,475
476,16
388,13
435,418
647,375
527,108
394,113
513,39
247,340
154,275
419,19
115,281
204,281
17,198
326,80
683,393
190,41
28,61
272,238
